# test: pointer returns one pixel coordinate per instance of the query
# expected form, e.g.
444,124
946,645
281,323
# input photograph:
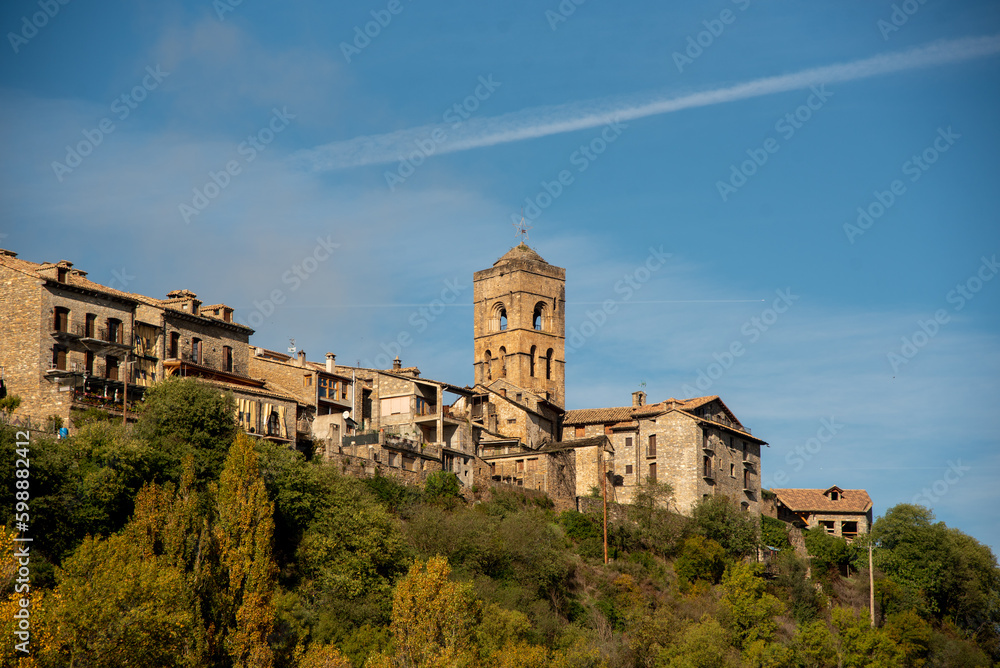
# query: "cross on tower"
522,229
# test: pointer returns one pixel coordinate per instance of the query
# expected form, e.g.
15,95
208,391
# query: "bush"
774,533
442,486
718,518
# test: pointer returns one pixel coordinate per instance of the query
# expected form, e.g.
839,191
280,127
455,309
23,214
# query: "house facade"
841,512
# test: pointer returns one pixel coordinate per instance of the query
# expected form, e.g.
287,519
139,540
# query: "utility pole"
604,490
871,581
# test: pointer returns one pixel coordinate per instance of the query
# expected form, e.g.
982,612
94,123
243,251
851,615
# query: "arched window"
487,363
503,362
548,364
531,364
538,317
498,317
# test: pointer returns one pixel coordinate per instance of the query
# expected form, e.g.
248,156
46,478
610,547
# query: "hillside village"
70,345
310,514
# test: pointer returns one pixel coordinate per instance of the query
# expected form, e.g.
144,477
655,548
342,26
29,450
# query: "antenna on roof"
522,228
291,346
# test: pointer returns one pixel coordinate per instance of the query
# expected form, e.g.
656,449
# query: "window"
628,441
59,358
512,421
537,318
520,466
745,507
395,405
111,368
628,469
652,472
175,344
746,479
548,364
531,363
732,470
488,363
828,525
89,364
707,466
744,450
834,496
579,432
227,359
60,321
307,381
424,407
90,326
532,465
498,320
272,424
343,390
849,529
503,362
651,452
114,330
324,387
196,351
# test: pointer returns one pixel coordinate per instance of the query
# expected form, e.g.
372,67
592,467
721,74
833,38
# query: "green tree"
719,519
698,647
701,559
774,533
655,528
181,416
443,487
244,531
827,551
747,609
860,645
115,606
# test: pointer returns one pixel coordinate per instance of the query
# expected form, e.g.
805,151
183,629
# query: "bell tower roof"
520,252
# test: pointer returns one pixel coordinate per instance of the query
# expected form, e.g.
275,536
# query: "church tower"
520,324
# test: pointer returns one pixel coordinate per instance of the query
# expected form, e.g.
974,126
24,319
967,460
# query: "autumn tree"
244,531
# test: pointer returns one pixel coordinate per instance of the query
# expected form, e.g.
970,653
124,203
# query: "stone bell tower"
520,324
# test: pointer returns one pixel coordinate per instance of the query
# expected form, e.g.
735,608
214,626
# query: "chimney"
331,362
302,358
503,391
638,399
396,364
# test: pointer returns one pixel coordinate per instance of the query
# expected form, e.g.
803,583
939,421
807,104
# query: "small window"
834,496
747,479
227,359
114,330
531,361
628,469
512,421
579,432
196,350
707,466
175,344
828,525
651,452
307,381
343,390
628,441
91,326
548,364
732,470
652,472
61,319
89,364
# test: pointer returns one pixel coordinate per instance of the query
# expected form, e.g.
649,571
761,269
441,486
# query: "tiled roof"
74,277
814,500
598,415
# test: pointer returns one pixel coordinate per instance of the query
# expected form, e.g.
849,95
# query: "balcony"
71,333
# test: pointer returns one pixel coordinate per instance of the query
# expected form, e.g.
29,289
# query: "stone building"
405,422
325,398
842,512
696,445
69,344
519,326
65,339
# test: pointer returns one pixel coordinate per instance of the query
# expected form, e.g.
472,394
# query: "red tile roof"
816,500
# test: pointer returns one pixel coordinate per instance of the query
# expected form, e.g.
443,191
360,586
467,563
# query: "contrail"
550,120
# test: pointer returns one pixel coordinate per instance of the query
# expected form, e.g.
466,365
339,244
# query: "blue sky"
327,183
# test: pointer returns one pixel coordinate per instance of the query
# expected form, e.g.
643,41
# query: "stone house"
696,445
69,344
842,512
404,421
325,398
